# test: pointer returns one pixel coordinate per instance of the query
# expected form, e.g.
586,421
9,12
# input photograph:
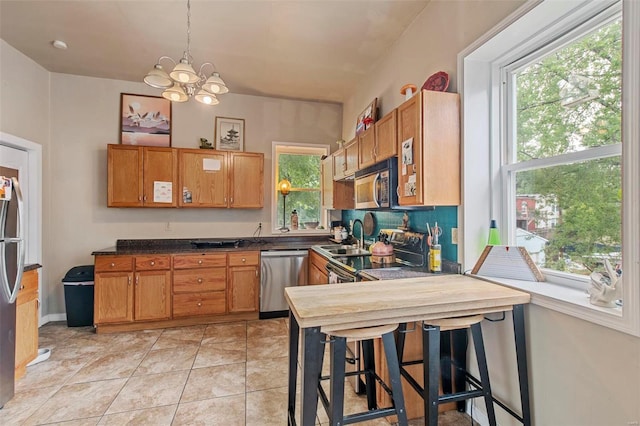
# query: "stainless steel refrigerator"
12,252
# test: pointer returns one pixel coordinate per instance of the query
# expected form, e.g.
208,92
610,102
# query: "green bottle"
494,234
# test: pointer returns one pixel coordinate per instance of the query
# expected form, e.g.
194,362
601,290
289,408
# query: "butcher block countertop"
364,304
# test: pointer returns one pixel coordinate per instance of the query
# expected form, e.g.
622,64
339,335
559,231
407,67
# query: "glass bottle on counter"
294,219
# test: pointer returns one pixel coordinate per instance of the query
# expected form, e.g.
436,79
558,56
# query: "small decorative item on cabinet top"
408,90
205,144
229,134
437,82
145,120
367,117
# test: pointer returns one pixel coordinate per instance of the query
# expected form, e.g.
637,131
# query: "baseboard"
52,318
476,413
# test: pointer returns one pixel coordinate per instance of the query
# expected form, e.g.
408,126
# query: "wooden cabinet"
351,157
243,289
432,120
221,179
141,176
367,148
246,177
26,322
339,164
131,288
326,170
199,284
386,136
317,272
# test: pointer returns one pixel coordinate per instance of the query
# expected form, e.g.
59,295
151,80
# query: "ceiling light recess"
183,82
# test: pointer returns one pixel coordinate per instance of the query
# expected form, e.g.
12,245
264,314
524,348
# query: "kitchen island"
316,310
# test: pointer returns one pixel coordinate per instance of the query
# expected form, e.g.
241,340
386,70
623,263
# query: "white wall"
580,373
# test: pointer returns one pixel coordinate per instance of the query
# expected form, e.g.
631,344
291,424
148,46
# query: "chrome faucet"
361,242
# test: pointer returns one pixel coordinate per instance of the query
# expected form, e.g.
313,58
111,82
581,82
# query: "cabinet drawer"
189,261
113,263
198,280
244,258
188,304
150,263
28,287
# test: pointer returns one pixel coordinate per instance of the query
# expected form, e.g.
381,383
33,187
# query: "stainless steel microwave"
375,186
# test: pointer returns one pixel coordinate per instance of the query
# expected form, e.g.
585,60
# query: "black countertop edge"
188,245
32,266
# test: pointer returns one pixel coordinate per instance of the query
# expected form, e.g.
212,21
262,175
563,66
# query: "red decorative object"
437,82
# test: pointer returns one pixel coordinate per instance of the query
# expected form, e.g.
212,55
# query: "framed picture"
229,134
145,120
367,117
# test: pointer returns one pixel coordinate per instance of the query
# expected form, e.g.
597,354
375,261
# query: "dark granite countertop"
32,266
200,245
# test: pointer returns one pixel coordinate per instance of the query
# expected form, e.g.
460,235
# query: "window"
563,105
300,164
549,96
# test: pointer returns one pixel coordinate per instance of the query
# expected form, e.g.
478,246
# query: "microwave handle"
375,190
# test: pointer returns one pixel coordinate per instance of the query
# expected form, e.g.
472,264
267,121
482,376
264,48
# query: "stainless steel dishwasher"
280,269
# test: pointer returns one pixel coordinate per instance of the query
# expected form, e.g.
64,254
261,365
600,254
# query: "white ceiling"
301,49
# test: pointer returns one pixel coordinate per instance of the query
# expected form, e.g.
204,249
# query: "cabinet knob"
244,260
199,280
200,262
199,303
113,264
153,263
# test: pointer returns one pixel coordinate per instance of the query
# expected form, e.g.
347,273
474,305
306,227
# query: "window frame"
294,148
481,77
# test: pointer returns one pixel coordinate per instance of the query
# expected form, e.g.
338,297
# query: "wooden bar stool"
334,403
431,358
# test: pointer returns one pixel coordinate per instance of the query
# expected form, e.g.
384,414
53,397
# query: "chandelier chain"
189,29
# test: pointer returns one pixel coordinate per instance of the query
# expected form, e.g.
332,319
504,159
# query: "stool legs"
431,371
336,384
394,376
478,343
369,366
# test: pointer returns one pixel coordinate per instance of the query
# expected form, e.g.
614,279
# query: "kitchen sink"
343,250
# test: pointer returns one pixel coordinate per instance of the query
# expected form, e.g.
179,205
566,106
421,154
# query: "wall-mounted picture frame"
367,117
145,120
229,135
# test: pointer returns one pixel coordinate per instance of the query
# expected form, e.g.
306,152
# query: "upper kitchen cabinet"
221,179
339,164
141,176
326,167
429,150
351,158
379,142
246,180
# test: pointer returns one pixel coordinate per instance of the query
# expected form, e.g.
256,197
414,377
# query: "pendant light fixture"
183,82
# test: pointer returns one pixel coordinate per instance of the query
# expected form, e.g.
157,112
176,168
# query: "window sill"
566,300
301,232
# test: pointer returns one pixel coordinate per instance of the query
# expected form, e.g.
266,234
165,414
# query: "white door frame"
34,212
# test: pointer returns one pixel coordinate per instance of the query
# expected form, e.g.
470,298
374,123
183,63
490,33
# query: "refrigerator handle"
21,241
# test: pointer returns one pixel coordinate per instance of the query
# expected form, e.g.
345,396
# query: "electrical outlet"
454,235
259,225
167,228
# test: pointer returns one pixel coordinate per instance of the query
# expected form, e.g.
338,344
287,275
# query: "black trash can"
78,296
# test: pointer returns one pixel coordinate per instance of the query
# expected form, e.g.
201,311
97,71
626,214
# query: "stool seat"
365,333
456,323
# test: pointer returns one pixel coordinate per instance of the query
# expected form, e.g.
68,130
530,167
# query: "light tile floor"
218,374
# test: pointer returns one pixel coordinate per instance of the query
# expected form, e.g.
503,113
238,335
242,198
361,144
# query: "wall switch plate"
454,235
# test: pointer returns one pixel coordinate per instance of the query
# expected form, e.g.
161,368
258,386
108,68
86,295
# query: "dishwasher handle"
284,253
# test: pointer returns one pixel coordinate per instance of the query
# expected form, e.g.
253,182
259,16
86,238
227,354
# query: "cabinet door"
246,178
113,297
317,275
367,148
344,195
152,300
410,160
160,166
351,157
243,289
26,334
386,136
124,176
327,183
339,164
203,178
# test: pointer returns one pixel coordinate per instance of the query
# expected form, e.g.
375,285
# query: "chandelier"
183,82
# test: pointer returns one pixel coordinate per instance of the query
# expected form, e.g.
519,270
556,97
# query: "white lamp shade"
183,73
207,98
175,94
158,78
214,84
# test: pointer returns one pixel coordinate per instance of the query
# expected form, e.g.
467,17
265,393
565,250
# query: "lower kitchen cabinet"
199,284
26,322
243,290
151,295
195,304
113,297
317,272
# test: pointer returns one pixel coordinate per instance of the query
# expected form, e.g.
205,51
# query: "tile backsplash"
447,218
